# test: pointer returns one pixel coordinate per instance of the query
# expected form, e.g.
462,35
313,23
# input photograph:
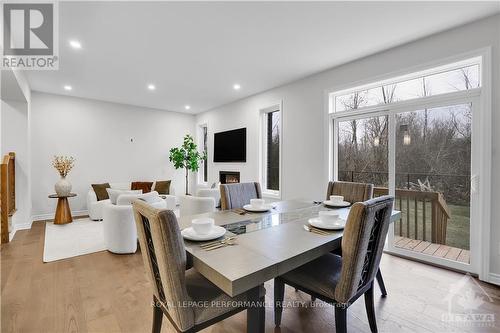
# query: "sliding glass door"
433,149
423,154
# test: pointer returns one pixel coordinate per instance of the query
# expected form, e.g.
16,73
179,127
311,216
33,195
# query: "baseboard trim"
46,217
494,278
16,227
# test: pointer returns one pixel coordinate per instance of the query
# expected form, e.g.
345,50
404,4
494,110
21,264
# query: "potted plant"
63,165
187,157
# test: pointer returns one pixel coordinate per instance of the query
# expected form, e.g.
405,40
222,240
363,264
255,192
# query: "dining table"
267,245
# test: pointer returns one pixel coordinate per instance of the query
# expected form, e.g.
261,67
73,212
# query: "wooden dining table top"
267,245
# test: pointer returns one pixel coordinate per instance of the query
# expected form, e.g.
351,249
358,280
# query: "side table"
63,212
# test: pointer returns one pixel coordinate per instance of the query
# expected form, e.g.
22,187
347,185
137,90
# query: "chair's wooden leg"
381,284
256,311
157,317
370,309
340,319
279,294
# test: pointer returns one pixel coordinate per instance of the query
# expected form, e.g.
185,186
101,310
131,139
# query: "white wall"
98,135
14,138
304,161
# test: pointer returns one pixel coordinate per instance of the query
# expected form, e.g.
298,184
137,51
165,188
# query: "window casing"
271,130
475,93
203,146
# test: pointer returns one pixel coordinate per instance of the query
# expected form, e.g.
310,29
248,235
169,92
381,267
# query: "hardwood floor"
103,292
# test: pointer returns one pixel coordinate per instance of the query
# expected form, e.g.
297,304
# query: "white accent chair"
190,205
120,233
95,207
210,192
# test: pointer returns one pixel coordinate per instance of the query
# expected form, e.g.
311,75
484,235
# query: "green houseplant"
187,157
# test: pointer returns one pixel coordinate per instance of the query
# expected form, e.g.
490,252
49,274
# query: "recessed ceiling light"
151,87
236,86
75,44
68,88
187,107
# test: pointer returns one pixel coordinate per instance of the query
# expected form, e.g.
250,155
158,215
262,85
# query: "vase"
63,187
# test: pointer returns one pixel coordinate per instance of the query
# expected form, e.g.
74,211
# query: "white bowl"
328,216
203,225
257,203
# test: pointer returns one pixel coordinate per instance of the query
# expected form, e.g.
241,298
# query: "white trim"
412,69
480,98
39,217
485,167
50,216
410,104
199,142
407,77
263,150
494,278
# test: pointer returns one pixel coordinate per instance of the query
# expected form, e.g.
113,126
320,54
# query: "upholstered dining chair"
191,205
239,194
355,192
352,192
341,280
178,288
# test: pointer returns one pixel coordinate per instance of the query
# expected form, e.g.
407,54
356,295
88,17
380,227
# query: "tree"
187,157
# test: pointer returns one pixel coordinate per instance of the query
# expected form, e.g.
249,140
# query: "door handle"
474,184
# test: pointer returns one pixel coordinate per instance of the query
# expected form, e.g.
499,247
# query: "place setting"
255,206
325,223
336,201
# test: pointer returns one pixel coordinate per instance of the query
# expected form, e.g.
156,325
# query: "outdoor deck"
435,250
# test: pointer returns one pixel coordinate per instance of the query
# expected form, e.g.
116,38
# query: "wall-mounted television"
231,146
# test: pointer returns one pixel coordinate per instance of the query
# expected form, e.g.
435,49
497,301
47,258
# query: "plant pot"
63,187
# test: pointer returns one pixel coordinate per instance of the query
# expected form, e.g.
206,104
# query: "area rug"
82,236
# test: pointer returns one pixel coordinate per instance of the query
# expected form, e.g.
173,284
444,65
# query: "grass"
458,227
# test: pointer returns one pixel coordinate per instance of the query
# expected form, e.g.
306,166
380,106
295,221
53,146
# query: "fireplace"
229,177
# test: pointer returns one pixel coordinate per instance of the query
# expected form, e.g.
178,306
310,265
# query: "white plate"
264,208
216,232
316,222
336,204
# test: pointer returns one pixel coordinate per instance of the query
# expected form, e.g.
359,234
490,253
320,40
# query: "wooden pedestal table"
63,212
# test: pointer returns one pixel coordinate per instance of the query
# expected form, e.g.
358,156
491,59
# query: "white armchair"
190,205
120,233
95,208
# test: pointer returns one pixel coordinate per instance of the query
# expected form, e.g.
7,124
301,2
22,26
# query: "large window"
203,146
451,78
412,137
271,130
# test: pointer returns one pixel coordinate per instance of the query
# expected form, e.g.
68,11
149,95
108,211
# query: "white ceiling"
195,52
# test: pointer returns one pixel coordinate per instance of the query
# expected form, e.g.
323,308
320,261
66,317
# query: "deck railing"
7,193
417,209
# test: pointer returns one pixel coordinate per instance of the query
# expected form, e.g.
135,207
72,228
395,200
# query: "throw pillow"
144,186
162,186
114,194
100,191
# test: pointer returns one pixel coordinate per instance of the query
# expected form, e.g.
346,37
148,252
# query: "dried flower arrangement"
63,164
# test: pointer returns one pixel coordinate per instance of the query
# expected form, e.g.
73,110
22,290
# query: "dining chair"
341,280
191,205
180,293
355,192
237,195
352,192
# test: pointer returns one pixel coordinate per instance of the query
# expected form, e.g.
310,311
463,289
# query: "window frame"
269,193
200,174
482,102
412,75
